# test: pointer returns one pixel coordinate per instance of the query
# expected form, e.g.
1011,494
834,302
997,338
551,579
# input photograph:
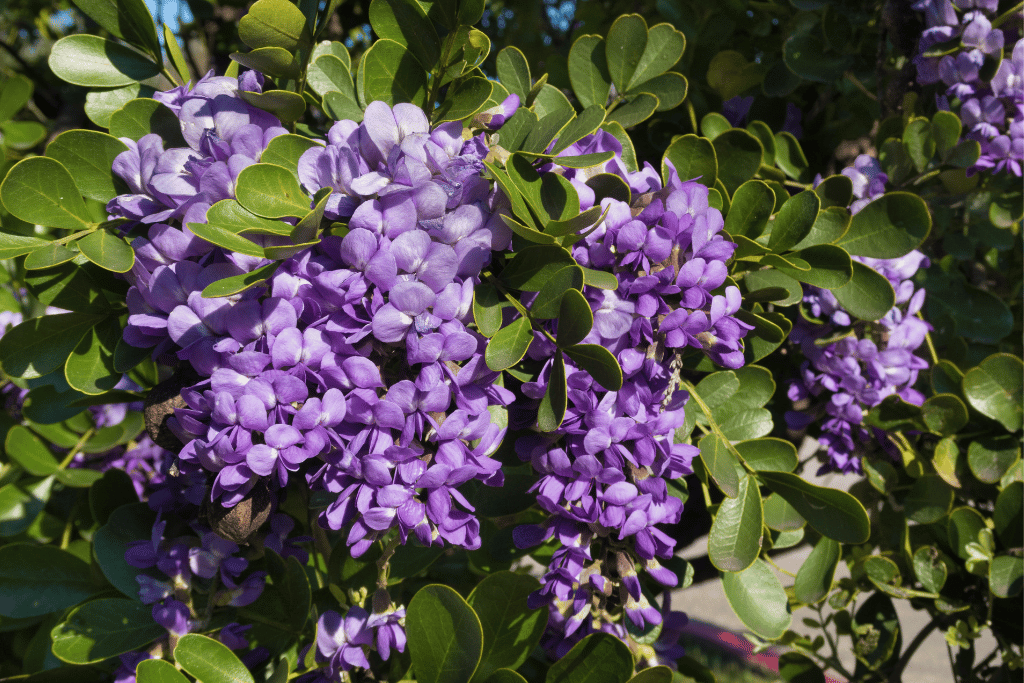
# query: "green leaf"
107,251
721,463
285,105
833,513
99,63
889,227
445,636
963,527
793,222
1007,515
734,541
1006,576
797,668
670,89
504,676
836,190
598,658
552,406
829,226
90,155
229,215
946,129
392,74
111,491
406,23
994,389
341,107
549,298
239,283
636,109
628,152
467,98
274,23
990,457
588,71
739,156
100,104
768,454
582,125
271,192
510,629
575,318
127,523
789,156
664,47
175,54
718,387
830,267
40,579
105,628
226,239
814,578
944,414
143,116
158,671
868,295
806,56
329,73
780,515
730,74
880,628
73,287
15,93
514,72
930,569
487,306
509,344
534,265
21,504
26,449
128,20
208,660
757,597
599,362
90,367
307,230
287,600
714,124
693,158
920,143
771,279
39,346
41,191
752,205
929,499
626,46
516,129
12,246
22,135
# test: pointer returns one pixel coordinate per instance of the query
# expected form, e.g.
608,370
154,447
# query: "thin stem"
860,86
1007,15
833,660
931,346
77,448
711,422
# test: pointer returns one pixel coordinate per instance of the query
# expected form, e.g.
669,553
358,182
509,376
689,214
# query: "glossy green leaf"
798,668
90,367
226,239
20,505
510,629
664,47
552,407
89,155
143,116
588,71
836,190
514,72
598,658
789,156
757,597
392,74
829,226
625,47
29,451
692,157
283,104
22,135
833,513
127,523
772,279
739,156
814,578
509,344
780,515
752,205
504,676
549,298
341,106
209,660
830,267
158,671
868,295
487,307
994,389
107,251
39,346
889,227
100,63
944,414
175,54
329,73
734,541
628,152
15,92
469,97
229,215
129,20
930,569
584,124
274,23
1006,576
963,527
71,287
271,192
1007,515
575,318
105,628
40,579
101,104
635,110
721,463
768,454
929,499
670,89
805,55
445,636
989,457
599,362
534,265
793,222
41,191
12,246
239,283
406,23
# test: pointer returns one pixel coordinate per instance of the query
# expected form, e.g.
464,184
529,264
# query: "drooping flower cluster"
604,472
981,66
842,380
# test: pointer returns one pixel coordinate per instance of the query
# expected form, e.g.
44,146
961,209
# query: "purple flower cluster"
844,379
992,111
343,642
604,472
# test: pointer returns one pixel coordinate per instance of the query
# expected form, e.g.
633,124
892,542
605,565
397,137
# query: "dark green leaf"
12,246
175,54
552,406
798,668
588,71
126,19
670,89
636,109
487,306
158,671
99,63
26,449
516,129
142,116
107,251
729,73
598,658
944,414
793,222
963,527
287,600
505,676
575,318
329,73
868,295
20,504
628,152
511,629
111,491
239,283
549,298
761,280
15,92
271,192
831,267
989,457
89,154
692,157
40,190
285,105
833,513
127,523
758,599
1007,515
599,362
101,104
406,23
805,55
814,578
1006,576
994,389
584,124
768,454
829,226
752,205
878,630
105,628
626,44
90,367
22,135
739,155
789,156
39,346
735,538
780,515
836,190
930,569
721,463
209,660
274,23
889,227
340,107
392,74
514,72
929,500
664,47
445,636
509,344
40,579
534,265
229,215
